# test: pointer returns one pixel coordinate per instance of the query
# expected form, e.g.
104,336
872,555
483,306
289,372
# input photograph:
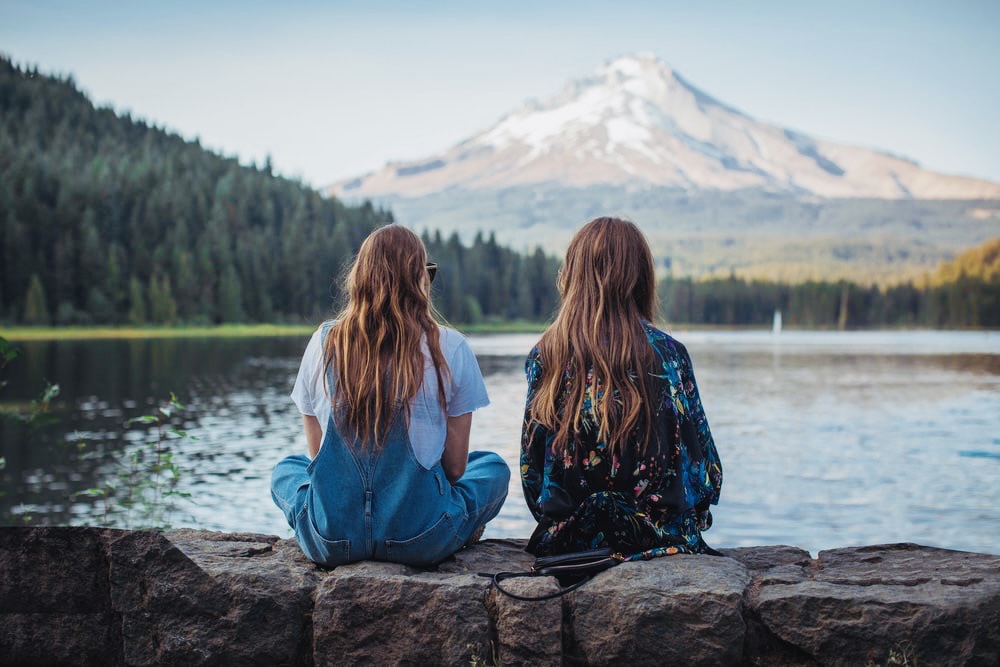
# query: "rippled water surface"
826,439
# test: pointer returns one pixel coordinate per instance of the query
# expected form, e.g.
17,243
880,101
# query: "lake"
827,439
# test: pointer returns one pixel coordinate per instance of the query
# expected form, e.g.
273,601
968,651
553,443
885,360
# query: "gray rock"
869,604
83,596
60,639
270,585
490,556
528,633
673,610
765,558
55,602
388,614
229,599
72,560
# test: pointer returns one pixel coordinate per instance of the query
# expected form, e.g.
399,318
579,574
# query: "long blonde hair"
608,288
374,346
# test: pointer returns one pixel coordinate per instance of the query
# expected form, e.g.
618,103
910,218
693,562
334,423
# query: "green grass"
277,330
220,331
223,331
517,326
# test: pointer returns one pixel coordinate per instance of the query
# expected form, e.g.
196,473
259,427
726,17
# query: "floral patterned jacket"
640,504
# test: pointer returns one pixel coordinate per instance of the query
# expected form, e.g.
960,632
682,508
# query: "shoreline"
50,333
26,333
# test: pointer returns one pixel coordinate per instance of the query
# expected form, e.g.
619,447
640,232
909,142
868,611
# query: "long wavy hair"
374,346
608,288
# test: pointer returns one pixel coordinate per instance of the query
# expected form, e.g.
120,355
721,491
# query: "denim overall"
352,503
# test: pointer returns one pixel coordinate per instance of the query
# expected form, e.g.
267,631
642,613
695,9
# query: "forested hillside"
964,292
107,220
981,263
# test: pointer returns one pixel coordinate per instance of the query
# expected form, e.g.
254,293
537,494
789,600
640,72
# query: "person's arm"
534,439
314,434
456,447
710,485
303,392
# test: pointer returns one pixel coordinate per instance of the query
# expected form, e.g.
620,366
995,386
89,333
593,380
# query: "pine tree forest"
107,220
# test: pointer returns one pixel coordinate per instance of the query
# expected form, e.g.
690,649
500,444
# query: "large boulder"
669,611
384,614
879,604
55,604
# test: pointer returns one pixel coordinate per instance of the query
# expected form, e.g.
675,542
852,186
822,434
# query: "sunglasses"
432,269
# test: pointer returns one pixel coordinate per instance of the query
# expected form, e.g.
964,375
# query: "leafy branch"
145,483
38,413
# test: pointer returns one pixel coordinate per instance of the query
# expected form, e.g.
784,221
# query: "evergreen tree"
162,307
230,297
36,309
137,313
99,306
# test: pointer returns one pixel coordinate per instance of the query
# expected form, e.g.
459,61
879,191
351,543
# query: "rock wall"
88,596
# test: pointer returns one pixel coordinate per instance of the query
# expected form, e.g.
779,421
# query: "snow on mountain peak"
636,121
619,101
637,66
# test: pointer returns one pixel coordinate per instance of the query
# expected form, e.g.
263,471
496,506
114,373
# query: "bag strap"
501,576
707,550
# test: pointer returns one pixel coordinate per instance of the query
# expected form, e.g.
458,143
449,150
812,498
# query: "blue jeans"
352,503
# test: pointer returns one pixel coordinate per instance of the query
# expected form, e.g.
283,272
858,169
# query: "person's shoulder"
325,325
661,339
317,342
322,331
451,340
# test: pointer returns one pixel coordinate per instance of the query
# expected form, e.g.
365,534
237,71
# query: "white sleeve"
303,393
468,391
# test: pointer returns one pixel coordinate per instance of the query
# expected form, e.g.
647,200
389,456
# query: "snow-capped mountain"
636,122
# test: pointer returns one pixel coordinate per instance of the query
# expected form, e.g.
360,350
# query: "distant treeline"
961,293
488,282
106,220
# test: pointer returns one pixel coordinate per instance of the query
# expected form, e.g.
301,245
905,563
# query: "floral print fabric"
642,504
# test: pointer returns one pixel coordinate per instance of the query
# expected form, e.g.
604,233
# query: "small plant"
144,486
490,660
36,416
902,654
7,354
38,413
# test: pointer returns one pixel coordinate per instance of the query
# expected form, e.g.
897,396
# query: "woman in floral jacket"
615,450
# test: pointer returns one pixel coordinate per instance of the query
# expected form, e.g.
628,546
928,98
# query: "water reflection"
827,440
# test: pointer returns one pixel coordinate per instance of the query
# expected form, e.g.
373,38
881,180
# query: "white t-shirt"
428,424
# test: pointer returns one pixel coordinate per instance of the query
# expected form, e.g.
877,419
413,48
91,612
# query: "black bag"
572,570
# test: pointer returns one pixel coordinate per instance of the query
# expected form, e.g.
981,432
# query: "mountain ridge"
636,122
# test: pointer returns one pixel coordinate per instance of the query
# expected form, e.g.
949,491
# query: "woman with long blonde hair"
615,450
386,396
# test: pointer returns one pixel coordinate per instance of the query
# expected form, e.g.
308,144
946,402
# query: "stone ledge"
93,596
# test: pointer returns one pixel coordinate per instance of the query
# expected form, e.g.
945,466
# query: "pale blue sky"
334,89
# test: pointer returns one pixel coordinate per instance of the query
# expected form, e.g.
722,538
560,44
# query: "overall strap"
365,462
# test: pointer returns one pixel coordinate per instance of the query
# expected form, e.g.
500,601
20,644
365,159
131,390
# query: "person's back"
616,450
387,524
387,398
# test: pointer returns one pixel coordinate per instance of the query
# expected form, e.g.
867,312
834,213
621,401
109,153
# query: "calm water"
827,439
